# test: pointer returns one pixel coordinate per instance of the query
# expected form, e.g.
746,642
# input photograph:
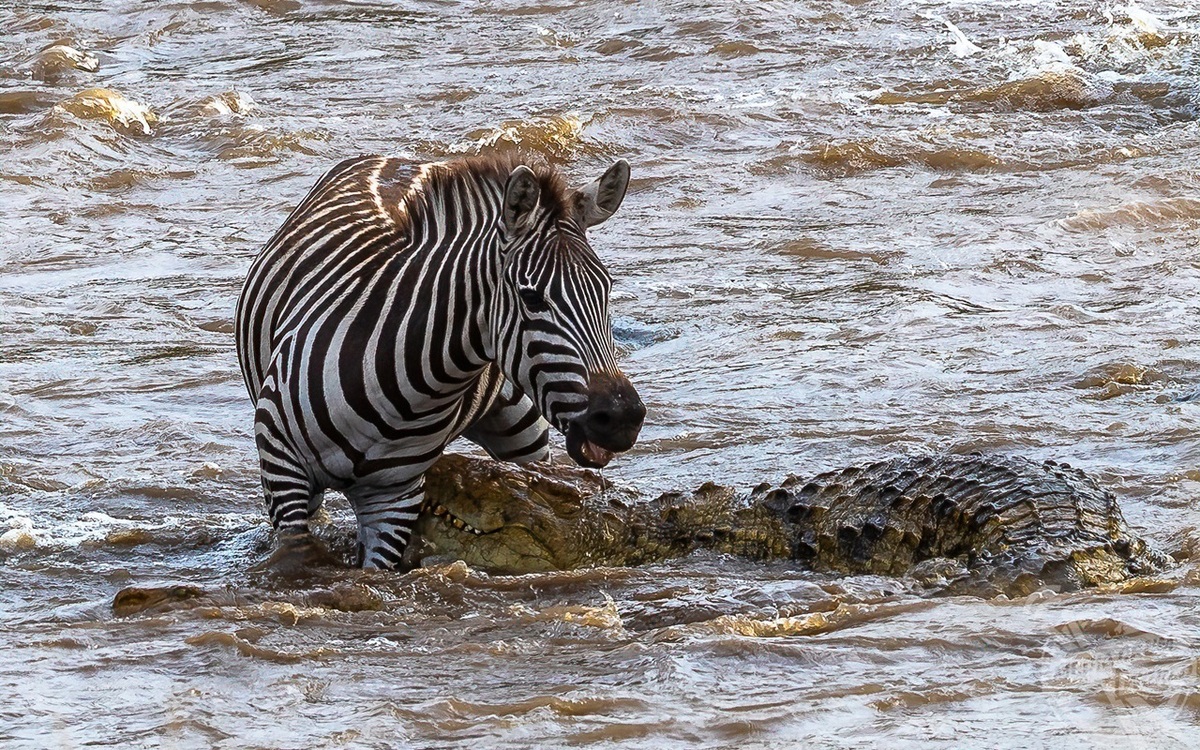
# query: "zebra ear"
601,199
520,196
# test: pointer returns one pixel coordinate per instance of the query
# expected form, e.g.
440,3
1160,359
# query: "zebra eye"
533,300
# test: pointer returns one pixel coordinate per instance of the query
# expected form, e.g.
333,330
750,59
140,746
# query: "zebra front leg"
512,429
386,518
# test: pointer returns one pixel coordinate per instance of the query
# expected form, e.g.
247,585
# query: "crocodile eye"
533,300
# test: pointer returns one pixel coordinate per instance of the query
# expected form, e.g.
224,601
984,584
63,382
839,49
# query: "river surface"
855,229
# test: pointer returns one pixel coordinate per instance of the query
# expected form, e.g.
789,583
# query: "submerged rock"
122,114
60,59
130,601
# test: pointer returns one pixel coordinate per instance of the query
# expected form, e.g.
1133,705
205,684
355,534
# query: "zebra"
402,306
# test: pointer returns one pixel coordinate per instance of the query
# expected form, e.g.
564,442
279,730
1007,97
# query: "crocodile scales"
992,524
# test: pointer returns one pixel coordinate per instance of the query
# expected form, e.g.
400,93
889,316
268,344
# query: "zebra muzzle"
584,452
611,423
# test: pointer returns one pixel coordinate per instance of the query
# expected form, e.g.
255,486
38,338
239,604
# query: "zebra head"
555,334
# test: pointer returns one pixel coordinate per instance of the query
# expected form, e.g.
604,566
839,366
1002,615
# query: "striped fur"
401,306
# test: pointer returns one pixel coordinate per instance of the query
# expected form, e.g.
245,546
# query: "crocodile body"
996,524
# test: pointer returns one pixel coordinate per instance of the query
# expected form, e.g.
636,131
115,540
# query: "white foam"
962,46
92,526
1040,57
229,103
1143,20
16,540
19,535
1050,53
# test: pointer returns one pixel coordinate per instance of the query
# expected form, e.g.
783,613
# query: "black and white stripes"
399,307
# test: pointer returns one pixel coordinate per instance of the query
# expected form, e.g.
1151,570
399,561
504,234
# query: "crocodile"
972,523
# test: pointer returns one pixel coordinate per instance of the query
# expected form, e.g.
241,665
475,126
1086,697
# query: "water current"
854,229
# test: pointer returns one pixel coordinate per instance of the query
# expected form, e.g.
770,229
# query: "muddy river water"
855,229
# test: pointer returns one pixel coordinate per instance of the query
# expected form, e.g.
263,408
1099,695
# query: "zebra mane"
494,167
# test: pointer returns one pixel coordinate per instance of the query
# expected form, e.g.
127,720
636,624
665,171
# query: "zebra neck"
455,262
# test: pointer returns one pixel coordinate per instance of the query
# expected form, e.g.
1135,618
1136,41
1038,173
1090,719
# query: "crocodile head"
507,520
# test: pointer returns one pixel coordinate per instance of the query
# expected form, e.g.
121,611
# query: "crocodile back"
1036,522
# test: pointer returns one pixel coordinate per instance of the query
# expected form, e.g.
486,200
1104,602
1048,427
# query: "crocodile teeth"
441,511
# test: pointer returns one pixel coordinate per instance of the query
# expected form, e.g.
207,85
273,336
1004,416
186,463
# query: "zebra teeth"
440,510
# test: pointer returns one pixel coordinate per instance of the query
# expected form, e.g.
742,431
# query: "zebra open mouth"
583,451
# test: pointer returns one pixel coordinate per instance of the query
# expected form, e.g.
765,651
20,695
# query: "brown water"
844,240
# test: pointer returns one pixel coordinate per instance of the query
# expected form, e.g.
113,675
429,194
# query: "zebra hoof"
298,556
